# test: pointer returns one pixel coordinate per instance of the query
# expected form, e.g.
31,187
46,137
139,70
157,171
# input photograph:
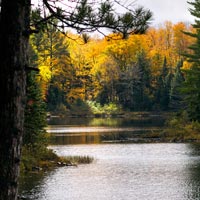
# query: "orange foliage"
100,61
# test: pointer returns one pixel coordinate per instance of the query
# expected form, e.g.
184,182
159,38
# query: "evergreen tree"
144,87
35,113
191,90
164,85
128,87
52,54
192,76
176,96
133,86
35,110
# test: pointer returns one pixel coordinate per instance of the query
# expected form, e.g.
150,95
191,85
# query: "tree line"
141,73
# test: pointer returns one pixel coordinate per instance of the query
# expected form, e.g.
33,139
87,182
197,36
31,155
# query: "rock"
21,197
36,169
59,163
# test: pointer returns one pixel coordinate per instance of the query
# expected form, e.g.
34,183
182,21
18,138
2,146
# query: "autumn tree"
83,58
181,41
105,70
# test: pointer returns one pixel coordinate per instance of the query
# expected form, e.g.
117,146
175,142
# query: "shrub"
97,108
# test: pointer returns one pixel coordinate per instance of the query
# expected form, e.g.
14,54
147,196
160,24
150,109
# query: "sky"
163,10
167,10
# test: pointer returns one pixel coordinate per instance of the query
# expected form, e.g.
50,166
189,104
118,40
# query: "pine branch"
88,18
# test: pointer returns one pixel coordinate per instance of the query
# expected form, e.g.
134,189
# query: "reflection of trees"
138,121
193,172
105,122
68,121
95,137
81,138
31,182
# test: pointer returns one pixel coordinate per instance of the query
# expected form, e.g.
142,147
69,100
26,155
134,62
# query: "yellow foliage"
186,65
76,93
102,60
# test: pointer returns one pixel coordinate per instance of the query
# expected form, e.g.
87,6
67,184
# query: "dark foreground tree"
15,29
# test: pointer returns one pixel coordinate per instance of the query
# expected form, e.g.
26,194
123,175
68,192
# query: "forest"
141,73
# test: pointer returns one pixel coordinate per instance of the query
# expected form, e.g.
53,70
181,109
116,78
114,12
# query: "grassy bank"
180,129
168,135
45,159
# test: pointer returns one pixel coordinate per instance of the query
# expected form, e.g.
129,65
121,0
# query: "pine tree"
164,85
35,113
144,86
191,90
176,97
192,76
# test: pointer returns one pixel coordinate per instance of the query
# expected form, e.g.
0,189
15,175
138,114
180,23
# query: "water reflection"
31,183
114,122
125,172
83,138
97,137
193,179
101,130
120,171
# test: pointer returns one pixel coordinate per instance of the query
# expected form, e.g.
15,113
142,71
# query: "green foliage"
178,120
88,16
35,139
181,129
176,97
45,159
56,99
111,108
132,75
142,94
132,86
191,91
191,87
53,60
79,107
37,156
97,108
164,86
35,113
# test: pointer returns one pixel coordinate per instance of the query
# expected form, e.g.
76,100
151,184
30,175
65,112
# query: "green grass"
45,159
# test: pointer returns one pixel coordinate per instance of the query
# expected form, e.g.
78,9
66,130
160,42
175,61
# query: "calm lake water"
121,170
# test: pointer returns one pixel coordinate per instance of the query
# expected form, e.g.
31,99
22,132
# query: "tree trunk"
14,36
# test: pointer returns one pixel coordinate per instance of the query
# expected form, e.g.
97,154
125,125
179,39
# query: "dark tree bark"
14,36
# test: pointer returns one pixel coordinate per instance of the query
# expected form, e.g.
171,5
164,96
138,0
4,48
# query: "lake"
121,170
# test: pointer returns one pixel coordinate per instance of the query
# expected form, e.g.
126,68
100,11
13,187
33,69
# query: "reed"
77,159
